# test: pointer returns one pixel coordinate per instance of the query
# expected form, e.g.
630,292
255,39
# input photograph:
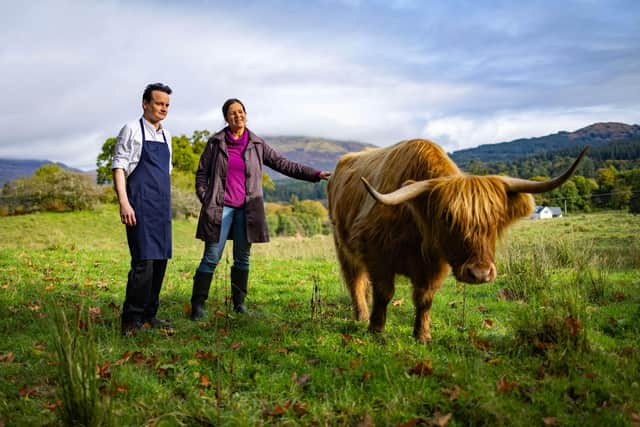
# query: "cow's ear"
519,205
408,182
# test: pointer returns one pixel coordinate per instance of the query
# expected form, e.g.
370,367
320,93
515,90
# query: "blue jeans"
234,222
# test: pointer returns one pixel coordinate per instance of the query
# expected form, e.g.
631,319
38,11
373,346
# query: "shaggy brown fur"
453,226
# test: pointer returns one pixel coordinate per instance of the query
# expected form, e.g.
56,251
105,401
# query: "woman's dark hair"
146,96
227,104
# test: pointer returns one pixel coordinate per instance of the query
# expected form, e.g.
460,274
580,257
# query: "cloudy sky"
462,73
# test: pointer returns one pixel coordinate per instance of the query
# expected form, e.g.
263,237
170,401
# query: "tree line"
608,178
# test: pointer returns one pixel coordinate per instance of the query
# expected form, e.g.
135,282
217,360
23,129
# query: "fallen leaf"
482,308
236,345
441,420
302,380
504,386
277,409
478,342
355,363
422,368
52,406
346,338
204,381
550,421
366,376
167,332
50,288
590,376
95,312
104,370
494,361
28,392
186,308
413,422
367,421
300,408
114,308
398,302
488,323
7,357
574,325
205,355
452,393
283,350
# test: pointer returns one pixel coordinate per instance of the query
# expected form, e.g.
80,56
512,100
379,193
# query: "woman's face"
236,117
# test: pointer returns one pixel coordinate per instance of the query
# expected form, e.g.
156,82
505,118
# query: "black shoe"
131,328
200,293
242,309
197,311
154,322
239,280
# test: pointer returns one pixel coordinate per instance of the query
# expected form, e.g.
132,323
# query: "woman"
229,186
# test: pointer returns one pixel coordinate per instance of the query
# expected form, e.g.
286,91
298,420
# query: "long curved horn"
516,185
402,194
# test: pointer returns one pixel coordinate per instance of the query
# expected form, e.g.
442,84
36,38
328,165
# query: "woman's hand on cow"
324,175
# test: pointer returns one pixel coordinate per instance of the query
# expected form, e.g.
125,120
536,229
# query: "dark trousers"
143,290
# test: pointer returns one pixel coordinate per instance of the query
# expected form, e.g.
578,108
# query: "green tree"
103,162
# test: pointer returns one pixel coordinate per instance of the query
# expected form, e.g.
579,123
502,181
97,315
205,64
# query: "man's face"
156,109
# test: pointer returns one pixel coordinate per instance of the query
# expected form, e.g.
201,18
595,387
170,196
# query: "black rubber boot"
201,285
239,280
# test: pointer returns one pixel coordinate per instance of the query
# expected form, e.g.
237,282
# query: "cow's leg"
423,292
422,300
357,281
383,289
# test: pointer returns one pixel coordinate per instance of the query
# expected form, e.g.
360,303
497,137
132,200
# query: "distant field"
553,341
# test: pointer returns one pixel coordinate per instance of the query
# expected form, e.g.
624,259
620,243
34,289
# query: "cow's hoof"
424,339
376,329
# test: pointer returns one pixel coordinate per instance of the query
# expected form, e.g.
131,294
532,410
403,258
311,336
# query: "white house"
542,212
556,211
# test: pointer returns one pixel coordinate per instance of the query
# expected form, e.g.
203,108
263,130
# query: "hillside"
11,169
596,135
321,153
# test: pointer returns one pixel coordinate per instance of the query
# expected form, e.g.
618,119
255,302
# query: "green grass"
554,339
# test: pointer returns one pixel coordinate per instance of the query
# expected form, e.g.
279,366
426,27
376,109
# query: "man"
141,166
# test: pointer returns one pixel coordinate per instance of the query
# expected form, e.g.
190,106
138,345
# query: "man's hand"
127,215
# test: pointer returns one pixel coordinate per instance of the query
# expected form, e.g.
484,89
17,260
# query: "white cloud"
72,71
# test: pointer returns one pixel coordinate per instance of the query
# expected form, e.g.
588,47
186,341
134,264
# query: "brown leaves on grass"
104,370
452,393
299,409
504,386
573,325
488,323
52,406
438,420
27,392
7,357
301,381
550,421
422,368
205,355
205,382
479,343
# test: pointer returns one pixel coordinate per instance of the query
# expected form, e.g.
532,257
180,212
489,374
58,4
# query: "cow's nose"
481,273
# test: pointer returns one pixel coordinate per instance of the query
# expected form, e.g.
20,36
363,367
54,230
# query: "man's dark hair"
227,104
146,96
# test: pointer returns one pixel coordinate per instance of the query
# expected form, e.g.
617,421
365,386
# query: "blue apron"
149,193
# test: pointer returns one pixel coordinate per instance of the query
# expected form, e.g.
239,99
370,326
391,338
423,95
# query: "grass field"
553,341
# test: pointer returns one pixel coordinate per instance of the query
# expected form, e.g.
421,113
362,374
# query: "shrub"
50,188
